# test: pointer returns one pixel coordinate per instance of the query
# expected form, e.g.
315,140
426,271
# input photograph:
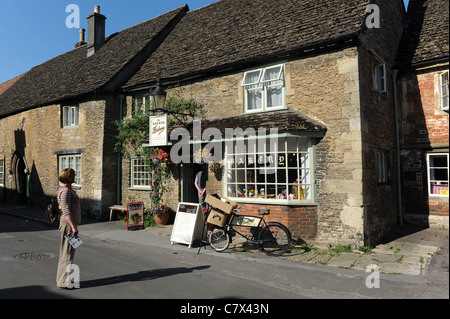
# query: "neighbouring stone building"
319,72
423,63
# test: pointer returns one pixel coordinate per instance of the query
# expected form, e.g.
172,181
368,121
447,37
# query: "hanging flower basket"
202,156
159,156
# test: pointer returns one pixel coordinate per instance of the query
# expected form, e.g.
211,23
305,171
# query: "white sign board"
158,130
188,224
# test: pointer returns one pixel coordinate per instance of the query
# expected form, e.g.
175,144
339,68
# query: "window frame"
133,184
383,167
145,107
78,170
305,181
444,98
429,168
377,79
2,172
263,85
70,116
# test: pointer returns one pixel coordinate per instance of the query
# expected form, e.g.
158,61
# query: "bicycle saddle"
264,211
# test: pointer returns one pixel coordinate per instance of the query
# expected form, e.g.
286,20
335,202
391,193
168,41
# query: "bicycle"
273,238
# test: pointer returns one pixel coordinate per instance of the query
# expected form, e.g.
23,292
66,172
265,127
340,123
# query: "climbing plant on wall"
133,132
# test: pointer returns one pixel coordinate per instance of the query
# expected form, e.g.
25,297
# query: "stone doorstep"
405,248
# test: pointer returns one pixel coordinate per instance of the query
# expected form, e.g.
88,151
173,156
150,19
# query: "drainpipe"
397,146
119,159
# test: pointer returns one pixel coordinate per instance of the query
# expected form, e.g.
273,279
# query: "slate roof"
426,34
284,121
230,32
73,74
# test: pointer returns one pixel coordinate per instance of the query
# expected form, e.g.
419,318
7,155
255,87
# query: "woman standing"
69,204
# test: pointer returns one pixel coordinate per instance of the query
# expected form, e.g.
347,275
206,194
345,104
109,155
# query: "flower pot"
162,219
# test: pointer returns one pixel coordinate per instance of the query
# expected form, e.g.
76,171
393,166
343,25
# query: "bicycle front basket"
246,221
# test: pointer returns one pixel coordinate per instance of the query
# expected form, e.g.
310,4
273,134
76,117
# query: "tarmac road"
145,266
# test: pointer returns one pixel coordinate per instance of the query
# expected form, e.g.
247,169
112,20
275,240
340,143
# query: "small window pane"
74,162
254,97
252,77
272,74
140,174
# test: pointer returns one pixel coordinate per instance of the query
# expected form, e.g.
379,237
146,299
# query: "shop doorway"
189,192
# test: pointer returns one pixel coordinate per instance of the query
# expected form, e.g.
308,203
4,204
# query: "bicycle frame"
248,221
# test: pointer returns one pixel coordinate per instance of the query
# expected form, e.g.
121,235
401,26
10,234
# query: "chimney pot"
97,9
82,37
82,33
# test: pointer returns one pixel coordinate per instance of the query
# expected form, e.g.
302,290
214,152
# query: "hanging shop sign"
135,216
188,225
158,130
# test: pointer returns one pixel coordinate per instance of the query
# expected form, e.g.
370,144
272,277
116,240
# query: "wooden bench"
116,208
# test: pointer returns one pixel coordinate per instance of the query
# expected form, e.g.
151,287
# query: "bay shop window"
272,170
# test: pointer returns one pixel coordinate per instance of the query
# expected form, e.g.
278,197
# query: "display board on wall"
188,225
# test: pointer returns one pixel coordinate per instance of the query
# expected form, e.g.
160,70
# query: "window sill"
438,196
139,188
266,110
281,202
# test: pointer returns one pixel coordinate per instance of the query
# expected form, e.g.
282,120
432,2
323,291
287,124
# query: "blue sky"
34,31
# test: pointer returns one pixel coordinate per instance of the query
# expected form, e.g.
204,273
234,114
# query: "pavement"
413,251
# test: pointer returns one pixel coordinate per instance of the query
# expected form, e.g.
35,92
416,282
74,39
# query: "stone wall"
37,135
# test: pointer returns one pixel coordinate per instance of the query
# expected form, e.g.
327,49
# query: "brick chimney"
81,42
96,31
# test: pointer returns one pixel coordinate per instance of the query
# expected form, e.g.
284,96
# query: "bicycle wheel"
219,239
275,239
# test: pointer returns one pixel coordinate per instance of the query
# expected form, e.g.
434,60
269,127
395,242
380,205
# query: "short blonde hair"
67,176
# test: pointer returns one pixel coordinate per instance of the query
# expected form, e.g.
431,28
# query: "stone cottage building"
319,73
61,114
422,81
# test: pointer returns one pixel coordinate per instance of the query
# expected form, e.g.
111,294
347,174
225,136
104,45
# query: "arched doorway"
20,180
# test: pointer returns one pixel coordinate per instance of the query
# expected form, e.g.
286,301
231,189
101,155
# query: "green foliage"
183,111
149,220
306,247
131,133
134,131
161,209
341,249
365,249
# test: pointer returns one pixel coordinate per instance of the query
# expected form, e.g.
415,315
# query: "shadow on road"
139,276
30,292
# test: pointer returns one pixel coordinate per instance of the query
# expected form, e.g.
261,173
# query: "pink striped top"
69,203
